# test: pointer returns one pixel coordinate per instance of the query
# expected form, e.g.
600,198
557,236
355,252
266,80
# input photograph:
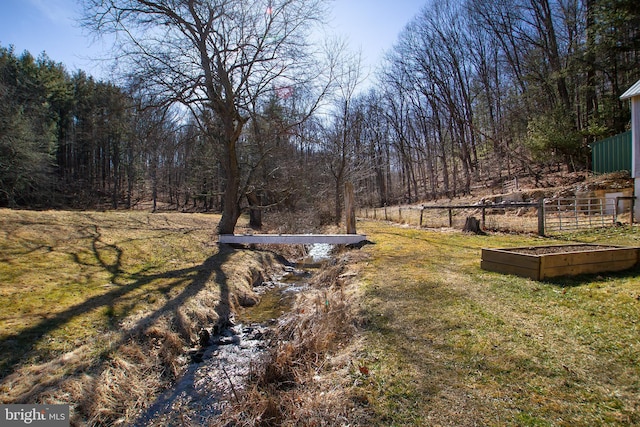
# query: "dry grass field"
100,308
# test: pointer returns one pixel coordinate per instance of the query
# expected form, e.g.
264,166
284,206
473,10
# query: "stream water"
220,370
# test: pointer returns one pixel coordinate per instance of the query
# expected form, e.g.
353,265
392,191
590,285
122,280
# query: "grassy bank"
100,308
449,344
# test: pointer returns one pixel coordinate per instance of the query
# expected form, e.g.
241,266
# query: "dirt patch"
542,250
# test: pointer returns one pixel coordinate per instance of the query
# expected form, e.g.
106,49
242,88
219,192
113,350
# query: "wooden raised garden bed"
543,262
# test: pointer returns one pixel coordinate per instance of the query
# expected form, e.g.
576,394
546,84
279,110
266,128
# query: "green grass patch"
450,344
69,276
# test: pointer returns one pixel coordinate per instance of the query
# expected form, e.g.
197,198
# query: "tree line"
479,91
71,141
227,106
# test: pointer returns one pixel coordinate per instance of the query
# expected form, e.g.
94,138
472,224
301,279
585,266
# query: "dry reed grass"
307,378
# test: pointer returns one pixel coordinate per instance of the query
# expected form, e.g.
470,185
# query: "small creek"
220,370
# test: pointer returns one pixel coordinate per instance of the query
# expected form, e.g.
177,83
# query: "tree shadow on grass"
18,346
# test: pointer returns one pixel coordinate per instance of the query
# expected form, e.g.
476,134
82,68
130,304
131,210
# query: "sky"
371,26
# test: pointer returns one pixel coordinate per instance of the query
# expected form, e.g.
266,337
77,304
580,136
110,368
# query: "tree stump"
472,225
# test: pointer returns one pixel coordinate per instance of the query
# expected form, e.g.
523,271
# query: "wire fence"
503,216
546,216
570,214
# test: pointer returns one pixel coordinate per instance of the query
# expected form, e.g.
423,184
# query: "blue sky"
51,26
373,25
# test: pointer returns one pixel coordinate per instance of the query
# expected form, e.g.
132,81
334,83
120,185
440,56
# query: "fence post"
450,219
421,213
541,217
349,208
559,215
483,214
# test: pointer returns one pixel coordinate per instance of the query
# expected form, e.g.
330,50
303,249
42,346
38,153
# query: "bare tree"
342,135
216,57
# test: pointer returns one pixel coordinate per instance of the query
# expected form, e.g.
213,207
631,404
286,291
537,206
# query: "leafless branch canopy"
219,54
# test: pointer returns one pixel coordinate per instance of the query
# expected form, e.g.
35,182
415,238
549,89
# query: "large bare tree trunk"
231,206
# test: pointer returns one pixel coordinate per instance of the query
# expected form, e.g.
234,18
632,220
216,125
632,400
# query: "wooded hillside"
474,92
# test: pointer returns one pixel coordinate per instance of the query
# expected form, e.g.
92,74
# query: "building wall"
612,154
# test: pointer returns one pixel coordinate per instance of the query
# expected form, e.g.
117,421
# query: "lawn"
448,344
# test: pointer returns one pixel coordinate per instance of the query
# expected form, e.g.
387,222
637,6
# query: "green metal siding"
612,154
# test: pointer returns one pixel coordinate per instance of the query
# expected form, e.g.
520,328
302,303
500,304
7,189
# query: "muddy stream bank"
224,363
